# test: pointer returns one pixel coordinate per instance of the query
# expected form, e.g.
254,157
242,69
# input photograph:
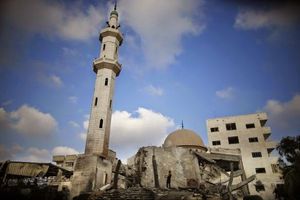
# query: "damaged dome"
184,138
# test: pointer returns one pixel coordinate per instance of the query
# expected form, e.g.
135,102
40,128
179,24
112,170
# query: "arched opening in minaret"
110,102
106,81
96,101
104,45
101,123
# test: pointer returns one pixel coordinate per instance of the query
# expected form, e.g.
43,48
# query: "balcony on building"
266,132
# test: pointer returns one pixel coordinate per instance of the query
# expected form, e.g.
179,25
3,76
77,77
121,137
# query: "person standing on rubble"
169,180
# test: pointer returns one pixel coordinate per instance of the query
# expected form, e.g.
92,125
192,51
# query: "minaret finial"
182,126
115,8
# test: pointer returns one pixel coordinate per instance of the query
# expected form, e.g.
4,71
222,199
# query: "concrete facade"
250,134
107,69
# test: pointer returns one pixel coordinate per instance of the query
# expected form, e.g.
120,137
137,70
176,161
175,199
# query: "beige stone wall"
91,172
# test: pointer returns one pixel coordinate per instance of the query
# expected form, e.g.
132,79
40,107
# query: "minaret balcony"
111,32
108,63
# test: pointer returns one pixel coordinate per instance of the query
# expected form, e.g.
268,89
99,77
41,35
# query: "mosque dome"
184,138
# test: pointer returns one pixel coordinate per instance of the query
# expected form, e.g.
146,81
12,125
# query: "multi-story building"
250,134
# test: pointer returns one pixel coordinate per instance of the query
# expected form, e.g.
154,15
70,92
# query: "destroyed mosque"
236,162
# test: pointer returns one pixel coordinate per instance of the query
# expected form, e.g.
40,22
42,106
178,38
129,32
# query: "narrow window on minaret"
106,81
96,101
101,123
110,103
104,45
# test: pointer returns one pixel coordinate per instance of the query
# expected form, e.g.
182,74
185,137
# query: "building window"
217,142
214,129
256,154
230,126
275,168
233,140
101,123
110,102
253,139
250,126
96,101
260,170
104,45
106,81
260,187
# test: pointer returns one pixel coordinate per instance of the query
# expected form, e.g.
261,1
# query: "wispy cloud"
51,18
28,121
284,115
275,17
73,99
154,91
74,124
225,93
161,25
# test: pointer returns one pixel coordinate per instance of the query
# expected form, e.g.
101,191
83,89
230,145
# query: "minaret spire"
107,68
182,126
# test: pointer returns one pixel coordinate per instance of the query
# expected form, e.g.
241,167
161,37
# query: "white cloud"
69,52
85,125
9,153
74,124
33,154
62,150
83,135
284,115
73,99
56,80
161,25
144,127
28,121
154,91
50,80
278,17
72,21
226,93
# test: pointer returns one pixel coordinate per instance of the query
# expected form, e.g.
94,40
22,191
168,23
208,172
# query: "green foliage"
288,149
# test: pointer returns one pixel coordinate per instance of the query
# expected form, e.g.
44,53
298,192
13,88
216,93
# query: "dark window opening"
250,125
104,45
101,123
262,123
214,129
96,101
260,170
253,139
106,81
259,188
110,103
230,126
217,142
233,140
256,154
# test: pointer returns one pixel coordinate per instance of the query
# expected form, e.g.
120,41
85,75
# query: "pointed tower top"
115,8
182,126
114,12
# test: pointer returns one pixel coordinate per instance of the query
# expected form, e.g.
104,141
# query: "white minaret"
107,69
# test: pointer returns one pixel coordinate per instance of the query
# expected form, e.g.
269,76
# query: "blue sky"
186,60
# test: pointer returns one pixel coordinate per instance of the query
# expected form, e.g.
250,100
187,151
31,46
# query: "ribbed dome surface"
184,138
